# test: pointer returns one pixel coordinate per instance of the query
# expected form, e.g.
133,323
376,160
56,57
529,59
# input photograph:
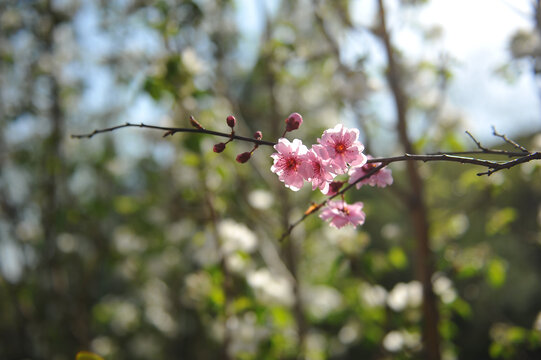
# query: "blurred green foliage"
138,247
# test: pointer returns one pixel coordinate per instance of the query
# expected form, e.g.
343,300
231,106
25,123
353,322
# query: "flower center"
340,148
291,164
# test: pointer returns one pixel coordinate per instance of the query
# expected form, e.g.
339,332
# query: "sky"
475,34
480,47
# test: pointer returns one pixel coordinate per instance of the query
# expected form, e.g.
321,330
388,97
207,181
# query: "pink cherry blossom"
320,168
290,163
341,213
343,147
381,178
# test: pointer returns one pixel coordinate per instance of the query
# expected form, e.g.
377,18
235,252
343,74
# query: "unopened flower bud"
258,135
293,121
231,121
244,157
334,187
218,148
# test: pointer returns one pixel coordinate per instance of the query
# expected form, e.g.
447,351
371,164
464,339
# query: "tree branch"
491,165
173,130
521,157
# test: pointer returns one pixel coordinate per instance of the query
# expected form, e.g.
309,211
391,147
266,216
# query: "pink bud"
244,157
231,121
293,121
334,187
258,135
218,148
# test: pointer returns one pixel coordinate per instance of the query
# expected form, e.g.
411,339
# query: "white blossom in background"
261,199
66,242
321,300
103,345
192,61
157,302
405,295
197,285
246,334
393,341
126,242
397,340
238,264
316,345
146,346
205,249
373,295
347,239
124,315
537,323
178,231
443,287
349,333
271,288
391,231
236,237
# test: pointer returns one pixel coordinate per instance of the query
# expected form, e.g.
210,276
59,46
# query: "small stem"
509,141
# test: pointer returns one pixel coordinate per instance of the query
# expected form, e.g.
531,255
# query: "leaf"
398,258
87,355
499,221
125,205
496,273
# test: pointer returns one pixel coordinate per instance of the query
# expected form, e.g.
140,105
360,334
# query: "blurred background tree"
138,247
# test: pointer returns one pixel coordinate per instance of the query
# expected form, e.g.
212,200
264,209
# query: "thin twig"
478,143
172,130
509,141
492,165
487,152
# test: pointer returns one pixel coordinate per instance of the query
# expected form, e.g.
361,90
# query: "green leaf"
125,205
496,350
500,220
496,273
86,355
398,258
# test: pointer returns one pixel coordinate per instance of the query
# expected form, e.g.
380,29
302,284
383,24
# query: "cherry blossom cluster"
338,152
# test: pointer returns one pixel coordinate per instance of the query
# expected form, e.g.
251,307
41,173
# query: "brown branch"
491,165
486,152
441,156
173,130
